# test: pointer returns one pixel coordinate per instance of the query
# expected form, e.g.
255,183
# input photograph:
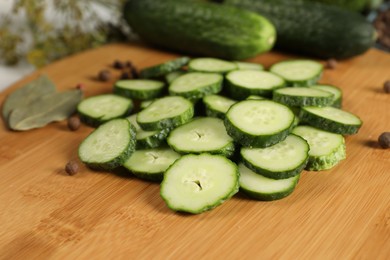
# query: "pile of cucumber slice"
221,127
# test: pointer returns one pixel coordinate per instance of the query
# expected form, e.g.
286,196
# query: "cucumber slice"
280,161
217,106
326,149
331,119
243,83
211,65
248,65
109,145
202,135
142,89
150,164
337,93
166,113
256,97
144,104
197,183
196,85
262,188
259,123
99,109
164,68
303,96
298,72
147,139
170,77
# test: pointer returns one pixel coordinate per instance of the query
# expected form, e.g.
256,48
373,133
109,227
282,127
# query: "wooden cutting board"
342,213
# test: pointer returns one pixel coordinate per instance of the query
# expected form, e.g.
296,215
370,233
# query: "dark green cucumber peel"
165,68
95,122
201,28
326,162
313,28
154,140
299,101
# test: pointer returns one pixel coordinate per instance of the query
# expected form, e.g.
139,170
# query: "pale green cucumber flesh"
164,68
248,65
262,188
303,96
337,93
197,183
280,161
217,106
150,164
142,89
170,77
202,135
108,146
326,149
298,72
211,65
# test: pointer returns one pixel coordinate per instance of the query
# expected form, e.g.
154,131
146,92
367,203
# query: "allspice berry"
386,86
119,64
74,123
71,168
384,140
331,64
104,75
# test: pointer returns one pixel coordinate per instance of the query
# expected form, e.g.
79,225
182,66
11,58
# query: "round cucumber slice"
331,119
109,145
197,183
326,149
298,72
164,68
141,89
166,113
99,109
280,161
150,164
243,83
262,188
303,96
196,85
259,123
202,135
337,93
211,65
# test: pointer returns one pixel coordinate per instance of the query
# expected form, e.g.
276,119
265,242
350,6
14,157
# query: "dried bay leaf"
27,94
49,108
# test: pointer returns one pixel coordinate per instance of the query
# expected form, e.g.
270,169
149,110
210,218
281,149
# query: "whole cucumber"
200,28
314,29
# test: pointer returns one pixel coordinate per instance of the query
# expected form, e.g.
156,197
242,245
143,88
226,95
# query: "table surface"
335,214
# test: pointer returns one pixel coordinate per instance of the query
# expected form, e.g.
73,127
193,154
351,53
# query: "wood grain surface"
343,213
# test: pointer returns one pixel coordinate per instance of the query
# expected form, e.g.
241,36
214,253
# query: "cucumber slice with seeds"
170,77
243,83
164,68
197,183
166,113
141,89
326,149
303,96
217,106
248,65
196,85
280,161
298,72
259,123
262,188
211,65
331,119
147,139
202,135
150,164
109,145
337,93
99,109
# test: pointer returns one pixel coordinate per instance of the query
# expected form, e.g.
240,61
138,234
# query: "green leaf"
47,109
27,94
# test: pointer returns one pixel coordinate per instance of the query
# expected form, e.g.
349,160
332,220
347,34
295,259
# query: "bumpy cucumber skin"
314,29
153,141
326,162
138,94
168,123
327,124
273,196
207,207
300,101
219,31
119,160
95,122
165,68
276,175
